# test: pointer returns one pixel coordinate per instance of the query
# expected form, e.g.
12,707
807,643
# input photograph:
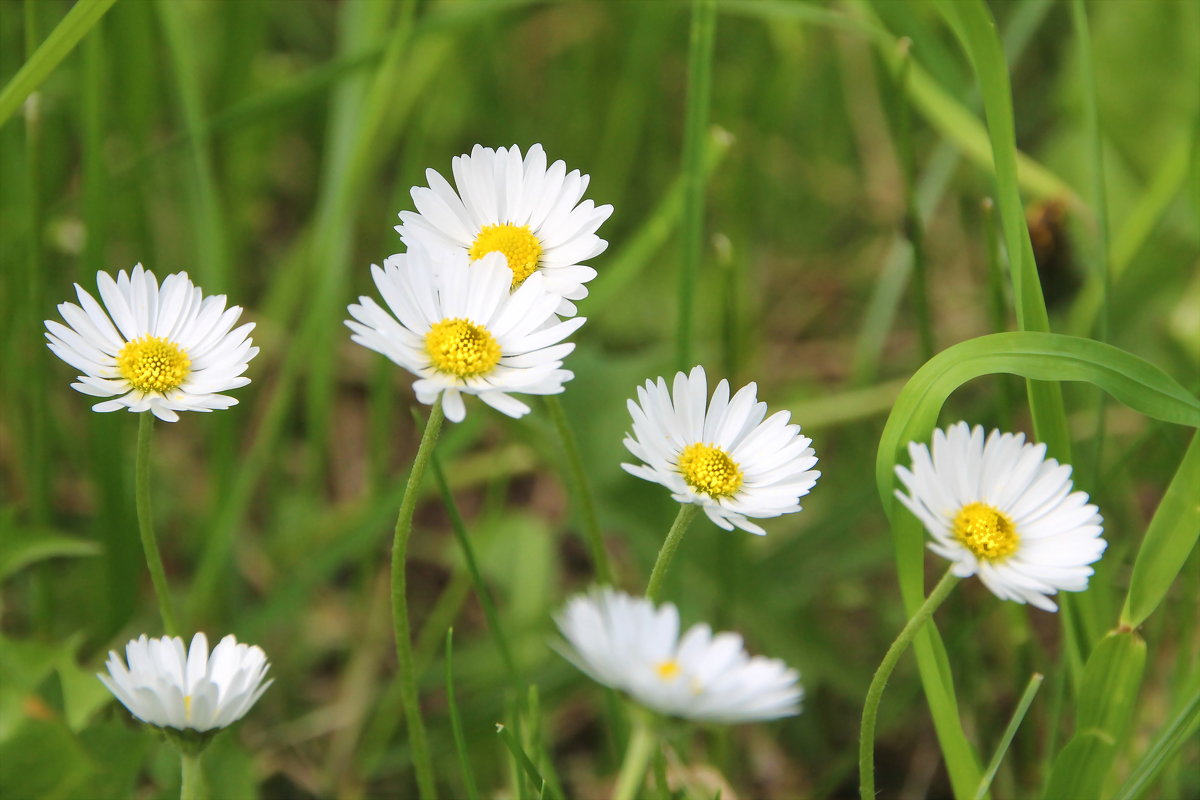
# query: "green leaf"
61,41
1107,700
1169,541
20,547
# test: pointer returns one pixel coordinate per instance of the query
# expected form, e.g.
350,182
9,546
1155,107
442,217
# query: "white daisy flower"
170,688
151,349
721,455
457,328
1001,509
628,644
529,213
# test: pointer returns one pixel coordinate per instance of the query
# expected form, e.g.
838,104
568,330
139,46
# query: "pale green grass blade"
545,788
1169,541
61,41
989,774
1166,745
460,743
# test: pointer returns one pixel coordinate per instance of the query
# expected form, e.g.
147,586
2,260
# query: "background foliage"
266,145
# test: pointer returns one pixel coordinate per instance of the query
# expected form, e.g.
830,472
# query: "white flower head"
158,349
528,212
1002,510
457,327
628,644
170,688
724,456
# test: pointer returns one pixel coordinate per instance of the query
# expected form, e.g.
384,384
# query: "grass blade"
1019,712
1167,742
460,744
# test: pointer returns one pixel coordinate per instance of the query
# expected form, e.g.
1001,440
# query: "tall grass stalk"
145,518
989,774
578,479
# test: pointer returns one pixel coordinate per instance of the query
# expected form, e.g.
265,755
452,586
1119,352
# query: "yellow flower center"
460,347
668,670
516,242
709,469
153,364
987,532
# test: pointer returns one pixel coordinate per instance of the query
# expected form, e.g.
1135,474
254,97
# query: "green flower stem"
192,779
146,524
866,738
642,744
583,492
687,512
404,655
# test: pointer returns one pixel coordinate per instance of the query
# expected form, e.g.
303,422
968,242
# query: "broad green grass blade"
1169,541
61,41
1167,743
20,547
1107,700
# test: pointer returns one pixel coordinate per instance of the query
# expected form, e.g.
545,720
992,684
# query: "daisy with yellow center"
150,348
457,326
629,644
999,509
723,455
531,214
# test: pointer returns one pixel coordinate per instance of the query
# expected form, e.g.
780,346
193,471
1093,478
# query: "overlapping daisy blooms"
532,214
630,645
150,348
459,329
167,687
726,455
999,509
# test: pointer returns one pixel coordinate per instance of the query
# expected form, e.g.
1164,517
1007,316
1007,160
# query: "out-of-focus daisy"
153,349
628,644
458,328
529,213
169,687
721,455
1000,509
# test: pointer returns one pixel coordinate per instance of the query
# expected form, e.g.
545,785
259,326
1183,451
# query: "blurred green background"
266,146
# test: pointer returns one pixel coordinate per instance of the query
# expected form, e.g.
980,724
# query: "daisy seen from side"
161,349
996,507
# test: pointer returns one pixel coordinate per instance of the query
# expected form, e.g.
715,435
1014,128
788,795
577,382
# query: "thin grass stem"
460,742
866,739
145,518
404,655
583,492
687,512
1018,716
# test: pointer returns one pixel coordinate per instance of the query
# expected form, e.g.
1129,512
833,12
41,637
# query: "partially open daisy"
153,349
169,687
1000,509
457,328
721,455
628,644
530,214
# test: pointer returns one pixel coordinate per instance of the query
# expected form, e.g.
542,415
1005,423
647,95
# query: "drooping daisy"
170,688
628,644
529,213
1002,510
153,349
457,328
721,455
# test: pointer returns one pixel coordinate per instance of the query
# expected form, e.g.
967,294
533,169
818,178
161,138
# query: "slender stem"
146,524
404,655
192,778
866,739
642,745
578,477
704,26
687,512
993,766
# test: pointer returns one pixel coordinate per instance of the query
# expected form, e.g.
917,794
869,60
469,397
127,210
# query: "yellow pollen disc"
667,670
516,242
987,532
460,347
709,469
153,364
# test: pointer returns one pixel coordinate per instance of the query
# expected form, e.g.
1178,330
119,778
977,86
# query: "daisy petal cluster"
726,455
533,215
999,509
629,644
150,348
169,687
458,328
